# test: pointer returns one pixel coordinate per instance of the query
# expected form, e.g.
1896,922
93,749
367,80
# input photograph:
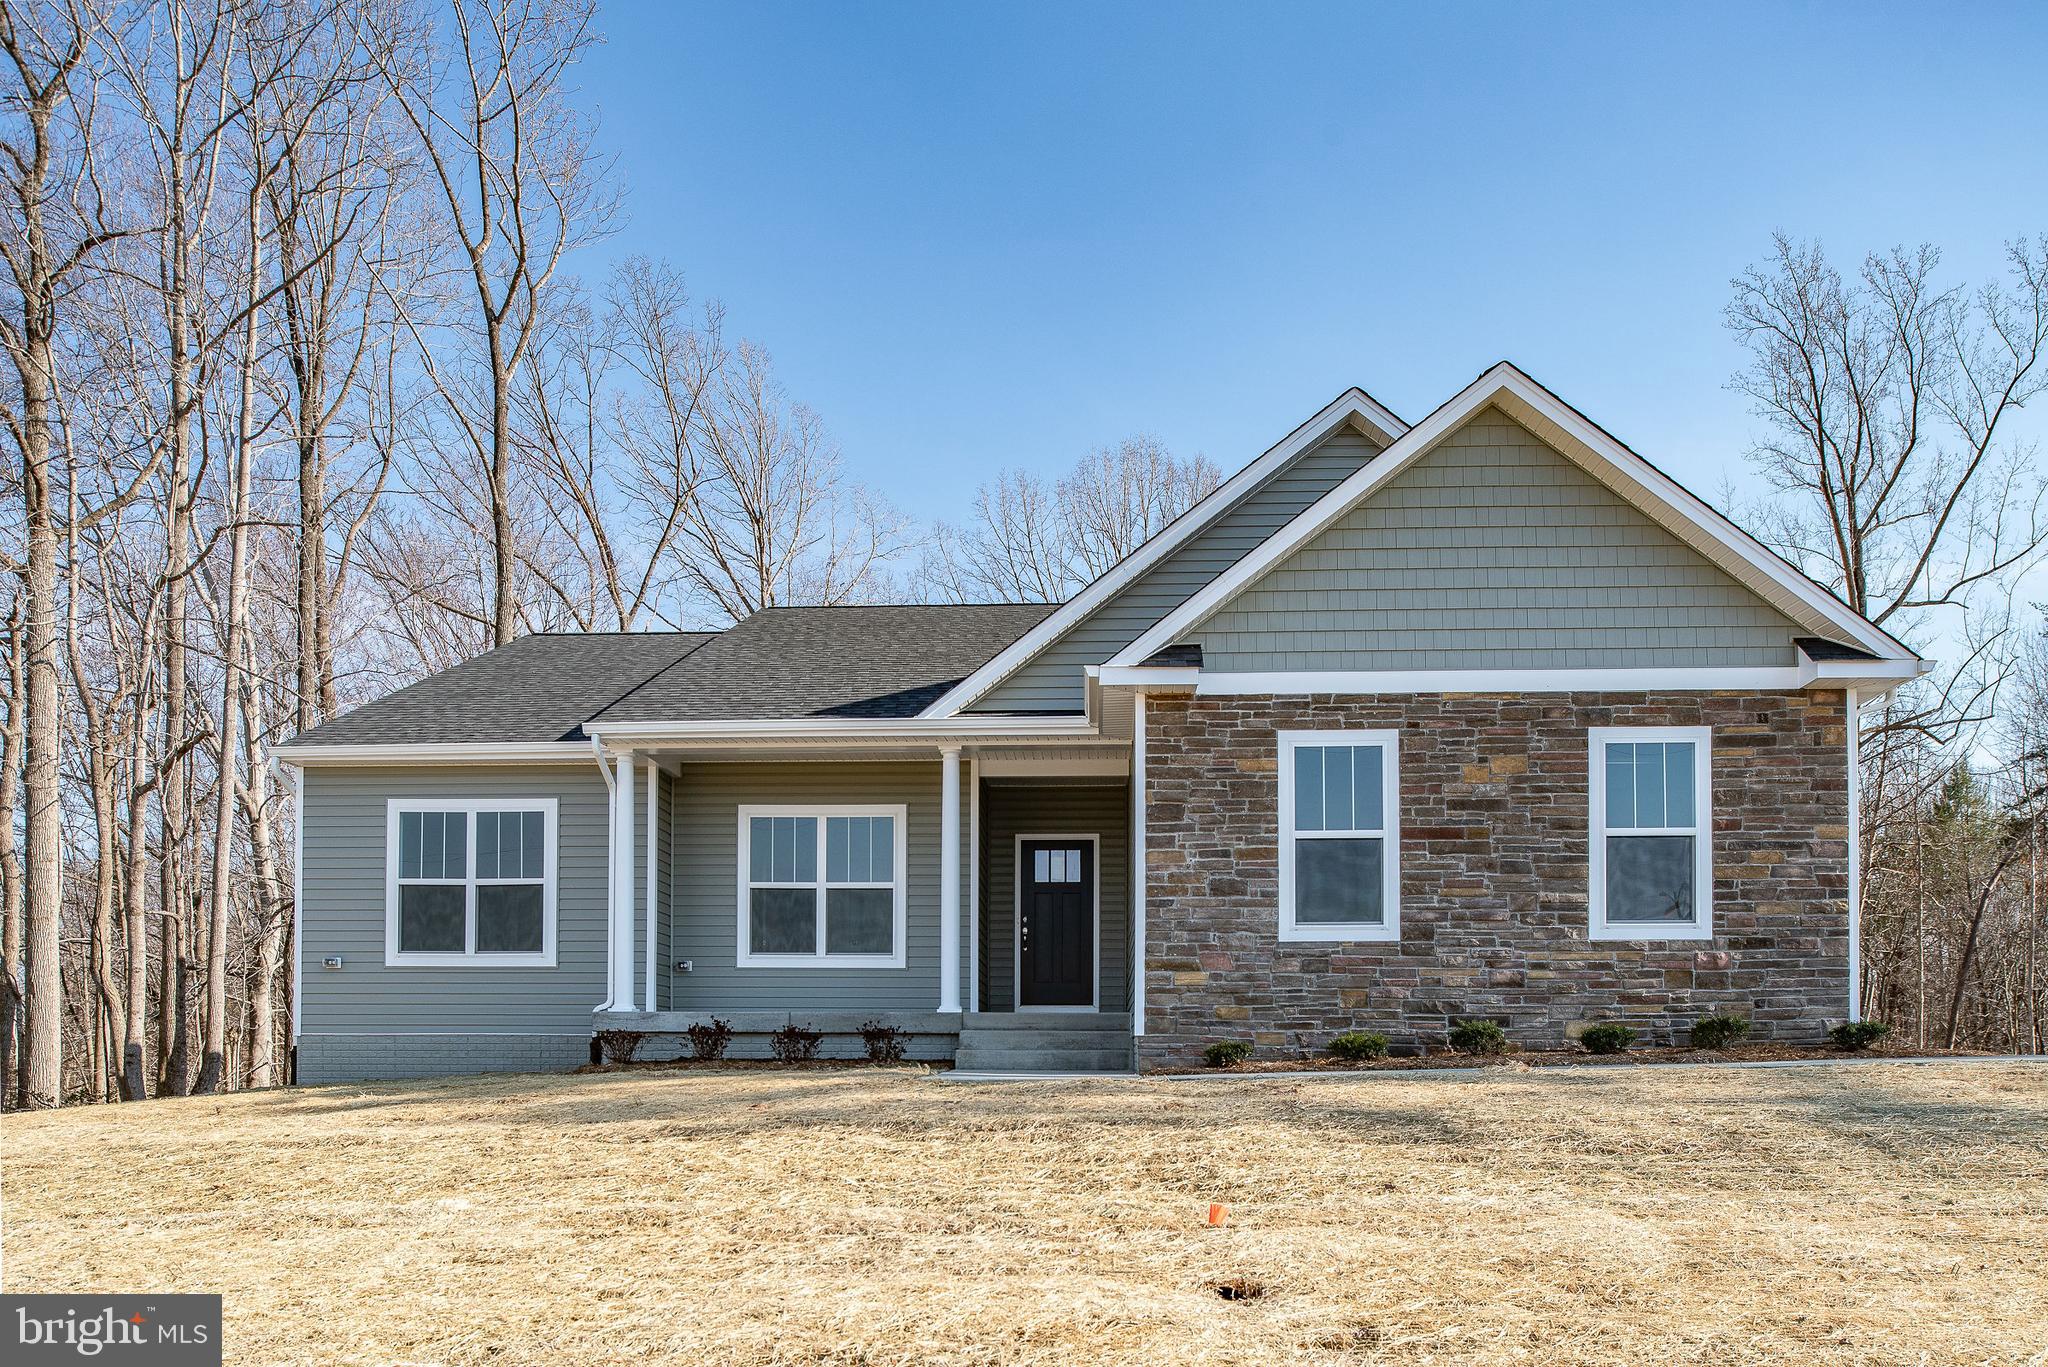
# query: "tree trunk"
10,873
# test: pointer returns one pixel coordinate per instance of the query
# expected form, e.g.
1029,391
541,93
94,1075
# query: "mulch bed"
747,1065
1579,1058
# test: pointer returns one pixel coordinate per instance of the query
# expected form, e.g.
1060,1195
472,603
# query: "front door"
1056,923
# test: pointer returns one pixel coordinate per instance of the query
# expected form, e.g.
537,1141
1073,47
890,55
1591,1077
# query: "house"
1482,717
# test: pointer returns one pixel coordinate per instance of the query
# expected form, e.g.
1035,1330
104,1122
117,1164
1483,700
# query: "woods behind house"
314,386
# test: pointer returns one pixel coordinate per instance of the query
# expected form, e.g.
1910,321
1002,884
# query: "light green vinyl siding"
343,886
705,804
1052,681
1493,551
1012,809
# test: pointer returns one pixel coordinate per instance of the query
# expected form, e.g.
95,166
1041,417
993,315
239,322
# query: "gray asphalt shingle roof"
538,688
857,662
890,661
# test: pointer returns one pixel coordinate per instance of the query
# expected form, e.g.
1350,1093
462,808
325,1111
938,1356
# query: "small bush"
1225,1052
1359,1044
1609,1037
619,1046
885,1042
794,1044
1718,1032
1479,1037
1856,1035
708,1042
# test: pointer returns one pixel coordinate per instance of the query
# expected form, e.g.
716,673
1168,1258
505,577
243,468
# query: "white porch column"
653,875
622,886
949,878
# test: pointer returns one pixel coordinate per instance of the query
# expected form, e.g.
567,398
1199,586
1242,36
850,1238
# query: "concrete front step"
1044,1039
1030,1059
1101,1022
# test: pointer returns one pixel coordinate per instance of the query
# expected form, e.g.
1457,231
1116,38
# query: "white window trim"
1389,930
1017,881
747,958
1702,831
394,957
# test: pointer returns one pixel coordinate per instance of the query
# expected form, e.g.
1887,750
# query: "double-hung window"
1651,834
1340,835
821,887
470,884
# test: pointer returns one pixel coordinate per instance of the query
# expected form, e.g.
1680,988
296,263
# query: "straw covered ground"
1859,1214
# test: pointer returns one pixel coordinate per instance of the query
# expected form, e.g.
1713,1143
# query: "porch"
1011,946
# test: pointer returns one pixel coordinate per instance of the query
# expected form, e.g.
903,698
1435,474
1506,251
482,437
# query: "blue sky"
978,236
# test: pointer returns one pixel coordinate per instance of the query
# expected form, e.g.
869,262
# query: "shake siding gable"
1053,682
1493,551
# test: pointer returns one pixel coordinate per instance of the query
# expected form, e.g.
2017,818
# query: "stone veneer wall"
1493,875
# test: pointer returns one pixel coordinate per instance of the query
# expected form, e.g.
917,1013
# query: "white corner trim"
1853,730
1017,924
745,957
1388,929
1353,406
1137,856
1702,832
1665,500
395,957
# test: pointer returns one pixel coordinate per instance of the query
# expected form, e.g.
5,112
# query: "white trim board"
1763,678
1354,407
1017,926
1600,455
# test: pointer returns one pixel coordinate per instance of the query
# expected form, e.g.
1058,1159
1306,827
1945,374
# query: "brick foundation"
1493,875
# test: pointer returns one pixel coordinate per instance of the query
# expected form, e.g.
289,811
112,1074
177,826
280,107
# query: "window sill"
1338,934
1645,934
431,960
861,961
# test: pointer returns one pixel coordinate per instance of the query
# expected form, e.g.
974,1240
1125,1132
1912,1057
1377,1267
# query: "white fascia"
922,730
465,752
1353,407
1553,420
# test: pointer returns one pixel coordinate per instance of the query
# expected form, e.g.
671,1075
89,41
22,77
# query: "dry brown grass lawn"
1877,1213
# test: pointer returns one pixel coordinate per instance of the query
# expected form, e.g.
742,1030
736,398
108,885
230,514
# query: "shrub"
1609,1037
885,1042
1855,1035
1718,1032
1359,1044
708,1042
794,1044
1479,1037
1225,1052
619,1046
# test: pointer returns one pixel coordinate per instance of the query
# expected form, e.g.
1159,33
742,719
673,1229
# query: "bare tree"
1034,541
52,229
518,185
1889,401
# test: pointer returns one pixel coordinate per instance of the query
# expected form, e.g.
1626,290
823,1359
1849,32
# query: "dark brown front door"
1056,923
